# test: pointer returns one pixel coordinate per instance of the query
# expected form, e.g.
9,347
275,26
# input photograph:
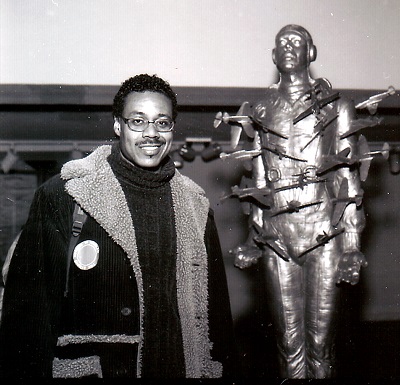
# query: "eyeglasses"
139,124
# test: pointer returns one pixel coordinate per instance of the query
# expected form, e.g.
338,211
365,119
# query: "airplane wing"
242,120
324,238
327,99
241,154
304,114
321,239
246,125
294,206
299,184
363,145
340,203
385,150
364,168
247,190
269,241
338,212
365,163
319,103
262,194
281,153
320,129
246,185
334,160
236,131
359,124
245,110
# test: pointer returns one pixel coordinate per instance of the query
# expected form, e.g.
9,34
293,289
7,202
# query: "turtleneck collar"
141,177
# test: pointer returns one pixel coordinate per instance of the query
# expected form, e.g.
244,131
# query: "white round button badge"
86,255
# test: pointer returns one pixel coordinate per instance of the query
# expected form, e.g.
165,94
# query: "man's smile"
150,148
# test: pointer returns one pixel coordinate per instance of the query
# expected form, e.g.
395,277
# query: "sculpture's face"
291,52
149,147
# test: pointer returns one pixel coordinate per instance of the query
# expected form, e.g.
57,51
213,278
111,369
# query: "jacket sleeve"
220,316
33,290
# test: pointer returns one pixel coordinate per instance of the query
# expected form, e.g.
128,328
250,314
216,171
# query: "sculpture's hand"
349,267
246,255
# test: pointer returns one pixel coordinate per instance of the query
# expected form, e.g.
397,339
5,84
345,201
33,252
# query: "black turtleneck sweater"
149,199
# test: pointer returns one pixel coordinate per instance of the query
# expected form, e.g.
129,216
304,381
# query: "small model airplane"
343,200
270,241
241,154
261,195
384,152
322,239
268,129
242,120
294,207
243,116
372,102
316,106
331,161
320,127
359,124
281,152
364,158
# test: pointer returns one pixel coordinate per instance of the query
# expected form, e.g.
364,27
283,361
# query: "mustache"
150,142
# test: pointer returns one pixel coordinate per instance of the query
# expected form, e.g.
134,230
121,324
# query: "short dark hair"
142,83
298,29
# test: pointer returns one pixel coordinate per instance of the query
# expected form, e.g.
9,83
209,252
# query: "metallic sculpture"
304,200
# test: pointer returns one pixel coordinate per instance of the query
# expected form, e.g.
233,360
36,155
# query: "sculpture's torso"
290,157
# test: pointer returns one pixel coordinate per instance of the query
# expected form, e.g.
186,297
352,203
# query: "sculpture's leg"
285,289
322,296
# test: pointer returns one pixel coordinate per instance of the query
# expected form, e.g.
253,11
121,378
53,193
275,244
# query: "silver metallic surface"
299,127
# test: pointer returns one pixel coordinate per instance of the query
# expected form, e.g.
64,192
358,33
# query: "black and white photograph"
200,191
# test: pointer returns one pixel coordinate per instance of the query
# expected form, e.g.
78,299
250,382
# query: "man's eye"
163,123
137,121
282,42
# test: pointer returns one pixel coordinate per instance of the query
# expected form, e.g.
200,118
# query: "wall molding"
102,95
53,115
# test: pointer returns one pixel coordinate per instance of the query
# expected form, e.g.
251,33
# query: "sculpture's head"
294,49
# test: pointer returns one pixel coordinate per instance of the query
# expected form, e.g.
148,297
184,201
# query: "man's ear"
117,126
273,56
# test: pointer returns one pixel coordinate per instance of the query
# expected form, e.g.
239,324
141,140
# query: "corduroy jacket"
45,333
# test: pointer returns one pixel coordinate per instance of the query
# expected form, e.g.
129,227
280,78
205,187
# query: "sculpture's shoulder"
272,102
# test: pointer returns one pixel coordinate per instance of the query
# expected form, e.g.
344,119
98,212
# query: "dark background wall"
44,126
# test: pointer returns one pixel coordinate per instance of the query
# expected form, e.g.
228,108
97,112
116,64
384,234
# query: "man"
308,231
144,292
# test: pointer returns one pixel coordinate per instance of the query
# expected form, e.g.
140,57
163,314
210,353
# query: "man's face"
148,148
291,52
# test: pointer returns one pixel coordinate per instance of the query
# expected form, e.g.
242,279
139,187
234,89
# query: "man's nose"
151,131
